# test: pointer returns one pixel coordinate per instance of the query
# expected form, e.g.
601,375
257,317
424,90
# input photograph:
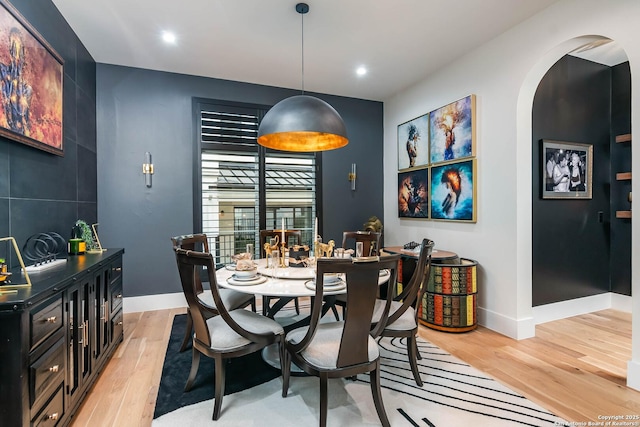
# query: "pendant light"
302,122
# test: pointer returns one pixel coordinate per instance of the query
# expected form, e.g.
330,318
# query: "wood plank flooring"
573,367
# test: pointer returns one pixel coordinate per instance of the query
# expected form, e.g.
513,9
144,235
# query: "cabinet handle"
54,368
120,323
81,327
51,319
105,311
119,296
53,416
117,269
86,333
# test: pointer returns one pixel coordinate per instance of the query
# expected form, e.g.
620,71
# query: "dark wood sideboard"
56,337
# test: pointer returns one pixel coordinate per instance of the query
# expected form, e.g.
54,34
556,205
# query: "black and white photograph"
566,170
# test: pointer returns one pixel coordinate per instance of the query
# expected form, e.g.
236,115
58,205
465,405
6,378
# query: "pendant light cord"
302,55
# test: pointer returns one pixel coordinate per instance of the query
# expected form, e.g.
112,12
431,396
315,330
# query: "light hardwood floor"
573,367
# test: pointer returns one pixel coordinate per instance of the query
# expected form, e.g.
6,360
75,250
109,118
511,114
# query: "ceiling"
260,41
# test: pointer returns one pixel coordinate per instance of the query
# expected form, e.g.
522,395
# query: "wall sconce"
352,176
147,169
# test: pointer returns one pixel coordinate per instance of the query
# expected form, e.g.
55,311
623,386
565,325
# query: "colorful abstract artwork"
452,131
453,191
413,194
30,86
413,143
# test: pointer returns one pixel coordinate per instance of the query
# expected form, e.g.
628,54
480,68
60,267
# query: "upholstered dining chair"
292,237
231,334
403,315
232,299
370,247
346,348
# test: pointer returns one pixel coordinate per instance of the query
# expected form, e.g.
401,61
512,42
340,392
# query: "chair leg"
412,350
285,368
323,400
377,395
188,333
253,305
195,362
265,305
295,301
219,393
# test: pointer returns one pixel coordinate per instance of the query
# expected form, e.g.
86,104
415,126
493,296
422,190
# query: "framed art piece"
31,84
413,194
566,170
413,143
452,131
453,191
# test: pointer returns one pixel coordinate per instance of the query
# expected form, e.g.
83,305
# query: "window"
242,187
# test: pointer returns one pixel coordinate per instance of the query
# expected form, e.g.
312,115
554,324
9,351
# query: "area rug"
453,394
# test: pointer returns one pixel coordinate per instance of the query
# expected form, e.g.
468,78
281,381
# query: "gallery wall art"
437,164
566,170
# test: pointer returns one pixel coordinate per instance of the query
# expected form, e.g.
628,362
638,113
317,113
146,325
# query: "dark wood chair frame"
410,297
291,237
352,358
188,263
370,247
199,242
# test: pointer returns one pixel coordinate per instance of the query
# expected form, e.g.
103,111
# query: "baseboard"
633,375
575,307
518,329
154,302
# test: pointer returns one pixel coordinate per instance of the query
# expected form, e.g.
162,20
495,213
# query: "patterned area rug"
454,394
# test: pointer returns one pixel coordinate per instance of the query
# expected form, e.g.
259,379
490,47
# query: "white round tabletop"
286,282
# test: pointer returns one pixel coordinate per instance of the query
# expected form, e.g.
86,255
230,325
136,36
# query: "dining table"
285,283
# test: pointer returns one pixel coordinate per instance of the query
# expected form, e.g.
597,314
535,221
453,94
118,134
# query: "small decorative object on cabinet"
624,176
450,301
58,335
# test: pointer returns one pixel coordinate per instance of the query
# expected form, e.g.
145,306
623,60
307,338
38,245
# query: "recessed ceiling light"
168,37
361,71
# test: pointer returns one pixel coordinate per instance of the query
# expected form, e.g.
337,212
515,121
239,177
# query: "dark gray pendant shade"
302,123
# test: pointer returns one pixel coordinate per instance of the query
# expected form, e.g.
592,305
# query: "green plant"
86,234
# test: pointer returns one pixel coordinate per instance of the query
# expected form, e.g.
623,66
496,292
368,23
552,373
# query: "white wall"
504,74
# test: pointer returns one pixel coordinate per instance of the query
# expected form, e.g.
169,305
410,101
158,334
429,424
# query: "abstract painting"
453,191
452,131
413,143
31,75
413,194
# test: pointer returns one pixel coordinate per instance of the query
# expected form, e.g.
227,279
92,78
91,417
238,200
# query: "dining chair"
231,334
403,315
292,237
370,241
340,349
371,247
232,299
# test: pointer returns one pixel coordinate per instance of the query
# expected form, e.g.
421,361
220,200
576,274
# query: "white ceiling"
260,41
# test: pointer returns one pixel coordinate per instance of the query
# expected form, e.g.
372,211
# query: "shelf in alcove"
623,138
623,176
623,214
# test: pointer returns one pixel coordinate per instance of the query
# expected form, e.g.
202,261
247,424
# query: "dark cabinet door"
78,311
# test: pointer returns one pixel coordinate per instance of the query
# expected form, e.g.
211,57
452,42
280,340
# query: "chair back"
413,290
362,278
189,262
370,241
292,237
193,242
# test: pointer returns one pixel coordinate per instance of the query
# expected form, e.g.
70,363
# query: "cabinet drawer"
45,320
117,325
116,297
46,371
52,412
116,270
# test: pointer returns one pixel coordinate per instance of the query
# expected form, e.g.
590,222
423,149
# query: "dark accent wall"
620,162
42,192
570,244
140,110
